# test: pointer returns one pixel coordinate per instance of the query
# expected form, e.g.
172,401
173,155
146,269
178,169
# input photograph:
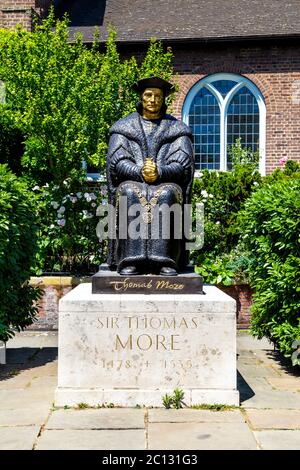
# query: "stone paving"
269,416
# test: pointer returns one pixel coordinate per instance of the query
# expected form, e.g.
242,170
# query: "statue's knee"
130,189
170,192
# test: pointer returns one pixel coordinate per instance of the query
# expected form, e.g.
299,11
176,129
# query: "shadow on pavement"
21,359
245,390
284,362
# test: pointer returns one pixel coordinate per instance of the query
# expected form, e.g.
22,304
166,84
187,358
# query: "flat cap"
154,82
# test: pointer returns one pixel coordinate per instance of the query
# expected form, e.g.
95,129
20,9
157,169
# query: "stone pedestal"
2,352
131,349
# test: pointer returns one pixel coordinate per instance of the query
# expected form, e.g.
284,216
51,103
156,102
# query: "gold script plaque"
127,284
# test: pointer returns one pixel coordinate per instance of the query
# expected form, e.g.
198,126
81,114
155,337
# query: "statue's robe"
168,142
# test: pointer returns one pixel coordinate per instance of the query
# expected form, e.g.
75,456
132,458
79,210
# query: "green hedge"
224,195
17,251
270,225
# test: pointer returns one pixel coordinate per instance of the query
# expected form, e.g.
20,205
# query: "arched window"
220,109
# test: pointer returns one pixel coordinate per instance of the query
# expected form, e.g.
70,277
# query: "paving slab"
43,382
278,440
251,387
47,369
256,383
119,418
18,379
270,353
249,360
273,399
73,439
18,438
39,372
245,355
245,341
274,359
24,398
257,370
274,419
202,436
194,416
291,384
24,416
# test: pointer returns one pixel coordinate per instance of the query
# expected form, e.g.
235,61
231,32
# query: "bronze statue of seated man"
150,163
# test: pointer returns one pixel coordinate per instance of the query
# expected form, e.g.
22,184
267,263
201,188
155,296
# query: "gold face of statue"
152,101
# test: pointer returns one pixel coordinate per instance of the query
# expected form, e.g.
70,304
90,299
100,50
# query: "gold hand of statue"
149,171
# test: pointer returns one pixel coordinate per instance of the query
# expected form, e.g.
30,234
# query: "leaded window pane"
243,120
223,86
204,121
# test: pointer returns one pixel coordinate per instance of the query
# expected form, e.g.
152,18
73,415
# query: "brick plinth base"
243,296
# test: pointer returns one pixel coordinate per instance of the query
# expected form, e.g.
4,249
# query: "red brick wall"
13,12
53,289
275,70
47,317
243,297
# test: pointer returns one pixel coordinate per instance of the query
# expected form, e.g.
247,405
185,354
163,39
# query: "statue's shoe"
167,271
129,271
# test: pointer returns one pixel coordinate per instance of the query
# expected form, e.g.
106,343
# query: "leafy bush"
224,195
270,225
239,155
17,250
68,219
290,169
225,269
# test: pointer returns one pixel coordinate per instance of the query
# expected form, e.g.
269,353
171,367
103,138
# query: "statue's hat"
154,82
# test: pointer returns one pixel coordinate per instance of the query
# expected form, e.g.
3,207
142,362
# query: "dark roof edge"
274,37
207,40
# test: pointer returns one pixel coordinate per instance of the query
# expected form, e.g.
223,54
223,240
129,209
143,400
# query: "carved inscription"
142,334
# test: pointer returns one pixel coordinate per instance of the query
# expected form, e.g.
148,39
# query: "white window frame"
223,104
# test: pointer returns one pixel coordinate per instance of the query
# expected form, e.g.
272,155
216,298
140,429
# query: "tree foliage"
18,246
64,97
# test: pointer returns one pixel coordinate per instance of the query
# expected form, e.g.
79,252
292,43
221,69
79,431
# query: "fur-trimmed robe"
171,148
